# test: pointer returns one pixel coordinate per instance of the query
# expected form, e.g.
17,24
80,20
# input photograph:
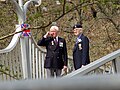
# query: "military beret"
77,26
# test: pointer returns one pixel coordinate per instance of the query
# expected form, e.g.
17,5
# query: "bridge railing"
10,60
12,67
108,64
37,60
10,64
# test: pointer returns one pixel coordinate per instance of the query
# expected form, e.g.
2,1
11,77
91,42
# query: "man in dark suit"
81,48
56,57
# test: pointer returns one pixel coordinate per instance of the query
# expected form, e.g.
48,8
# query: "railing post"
25,42
24,57
117,64
114,71
28,57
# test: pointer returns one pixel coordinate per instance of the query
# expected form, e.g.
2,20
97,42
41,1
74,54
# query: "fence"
13,68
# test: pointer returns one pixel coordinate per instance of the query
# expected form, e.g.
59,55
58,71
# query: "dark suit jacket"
81,52
56,56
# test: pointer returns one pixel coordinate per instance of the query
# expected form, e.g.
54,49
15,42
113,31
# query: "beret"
77,26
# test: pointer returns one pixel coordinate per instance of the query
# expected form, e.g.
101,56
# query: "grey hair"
54,27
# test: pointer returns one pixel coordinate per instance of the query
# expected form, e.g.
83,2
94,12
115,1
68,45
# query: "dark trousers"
53,73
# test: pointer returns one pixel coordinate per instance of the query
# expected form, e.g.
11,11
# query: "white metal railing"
10,60
37,63
108,64
10,64
13,64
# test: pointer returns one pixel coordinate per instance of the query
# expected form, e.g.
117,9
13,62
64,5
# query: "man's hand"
47,34
65,69
83,65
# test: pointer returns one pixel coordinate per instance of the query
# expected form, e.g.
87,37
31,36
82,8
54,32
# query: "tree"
100,19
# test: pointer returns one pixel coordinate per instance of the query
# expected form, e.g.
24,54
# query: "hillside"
100,20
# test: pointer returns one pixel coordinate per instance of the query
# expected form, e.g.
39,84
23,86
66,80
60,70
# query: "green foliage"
67,8
34,16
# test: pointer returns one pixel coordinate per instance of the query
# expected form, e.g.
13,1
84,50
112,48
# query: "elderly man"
81,48
56,57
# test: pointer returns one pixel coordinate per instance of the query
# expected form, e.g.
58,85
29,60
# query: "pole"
21,13
27,72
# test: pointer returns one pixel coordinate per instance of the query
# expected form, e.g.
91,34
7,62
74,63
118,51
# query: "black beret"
77,26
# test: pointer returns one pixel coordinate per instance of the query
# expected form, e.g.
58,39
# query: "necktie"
55,40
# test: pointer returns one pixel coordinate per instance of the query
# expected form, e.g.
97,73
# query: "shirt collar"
57,38
79,36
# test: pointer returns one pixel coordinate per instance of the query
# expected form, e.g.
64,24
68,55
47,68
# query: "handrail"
13,42
40,48
86,69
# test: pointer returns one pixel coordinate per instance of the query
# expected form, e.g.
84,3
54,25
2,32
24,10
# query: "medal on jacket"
79,43
80,46
61,44
52,42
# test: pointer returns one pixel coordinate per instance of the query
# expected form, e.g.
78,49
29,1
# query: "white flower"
79,40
